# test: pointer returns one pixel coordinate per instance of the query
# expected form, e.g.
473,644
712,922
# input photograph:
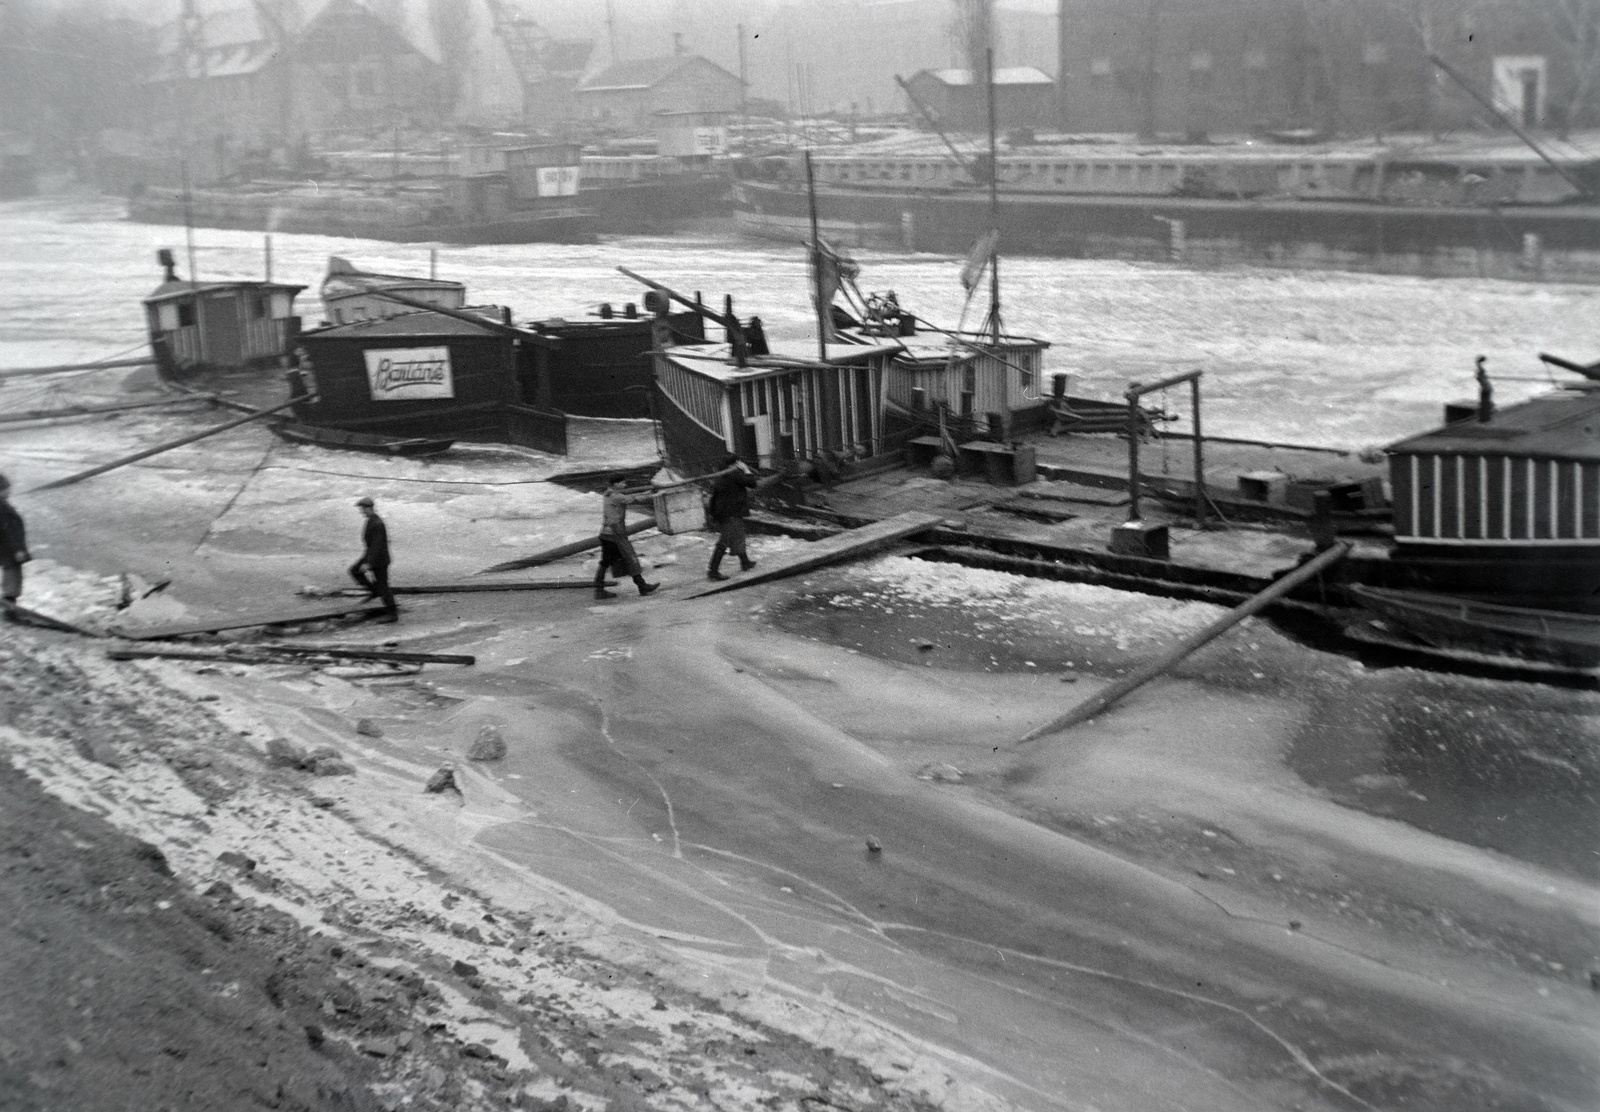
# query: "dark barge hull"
1547,636
1355,235
557,225
646,207
1552,577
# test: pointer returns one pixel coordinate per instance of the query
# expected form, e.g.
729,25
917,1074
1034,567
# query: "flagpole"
816,265
994,205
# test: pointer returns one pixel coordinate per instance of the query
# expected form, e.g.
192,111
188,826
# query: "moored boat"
197,327
1502,504
324,437
1566,639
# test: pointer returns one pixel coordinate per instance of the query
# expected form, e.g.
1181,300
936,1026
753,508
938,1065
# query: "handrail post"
1199,457
1133,451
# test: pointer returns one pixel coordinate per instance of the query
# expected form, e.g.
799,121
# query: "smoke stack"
677,42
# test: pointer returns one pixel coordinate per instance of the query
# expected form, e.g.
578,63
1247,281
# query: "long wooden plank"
25,372
245,621
832,550
466,588
247,653
159,448
24,616
572,549
89,410
1256,603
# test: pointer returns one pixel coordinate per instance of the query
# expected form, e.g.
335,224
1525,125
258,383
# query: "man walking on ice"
372,570
616,550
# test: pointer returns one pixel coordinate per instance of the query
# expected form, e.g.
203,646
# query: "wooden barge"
199,327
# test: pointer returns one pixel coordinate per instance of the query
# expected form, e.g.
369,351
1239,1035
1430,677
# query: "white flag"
977,259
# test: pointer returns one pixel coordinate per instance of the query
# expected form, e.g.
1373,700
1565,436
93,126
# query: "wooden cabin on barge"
197,327
1503,506
781,408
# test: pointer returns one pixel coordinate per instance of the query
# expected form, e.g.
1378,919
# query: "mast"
816,265
744,97
994,205
190,29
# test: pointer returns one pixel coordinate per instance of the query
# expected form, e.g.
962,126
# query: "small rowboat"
1565,638
325,437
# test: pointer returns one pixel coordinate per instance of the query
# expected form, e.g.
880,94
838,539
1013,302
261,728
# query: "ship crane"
535,56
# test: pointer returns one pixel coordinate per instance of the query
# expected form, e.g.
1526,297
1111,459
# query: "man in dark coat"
13,552
372,570
616,550
730,505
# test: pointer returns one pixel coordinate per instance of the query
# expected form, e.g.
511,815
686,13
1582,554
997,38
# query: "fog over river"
1275,878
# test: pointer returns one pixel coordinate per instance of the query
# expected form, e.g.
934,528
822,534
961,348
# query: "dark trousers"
10,582
730,538
376,583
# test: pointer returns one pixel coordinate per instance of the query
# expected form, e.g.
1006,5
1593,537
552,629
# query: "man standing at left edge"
13,552
372,570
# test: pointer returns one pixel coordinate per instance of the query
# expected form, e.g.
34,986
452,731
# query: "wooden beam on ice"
246,653
59,368
88,410
1255,603
159,448
246,621
561,550
832,550
476,588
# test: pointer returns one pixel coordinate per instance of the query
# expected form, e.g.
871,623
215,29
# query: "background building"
238,80
629,95
1344,66
1023,97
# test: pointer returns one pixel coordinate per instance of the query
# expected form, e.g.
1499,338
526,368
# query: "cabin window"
1025,372
259,306
186,314
166,317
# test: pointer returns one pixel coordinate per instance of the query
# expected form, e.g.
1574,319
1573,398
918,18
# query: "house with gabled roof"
958,99
247,82
630,95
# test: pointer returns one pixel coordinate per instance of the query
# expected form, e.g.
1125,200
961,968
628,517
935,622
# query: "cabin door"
224,341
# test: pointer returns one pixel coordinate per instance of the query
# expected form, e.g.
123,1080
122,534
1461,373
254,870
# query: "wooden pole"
1199,457
994,204
159,448
27,372
86,410
1133,451
572,549
816,265
1103,699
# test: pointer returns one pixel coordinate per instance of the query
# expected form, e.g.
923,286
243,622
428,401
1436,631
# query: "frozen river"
1155,912
1340,359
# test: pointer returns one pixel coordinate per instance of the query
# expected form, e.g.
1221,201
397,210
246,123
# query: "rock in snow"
489,744
443,780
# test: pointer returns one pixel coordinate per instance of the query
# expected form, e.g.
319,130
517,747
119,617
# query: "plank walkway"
245,621
831,550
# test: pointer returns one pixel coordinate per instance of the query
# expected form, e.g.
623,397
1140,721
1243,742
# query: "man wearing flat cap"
372,570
